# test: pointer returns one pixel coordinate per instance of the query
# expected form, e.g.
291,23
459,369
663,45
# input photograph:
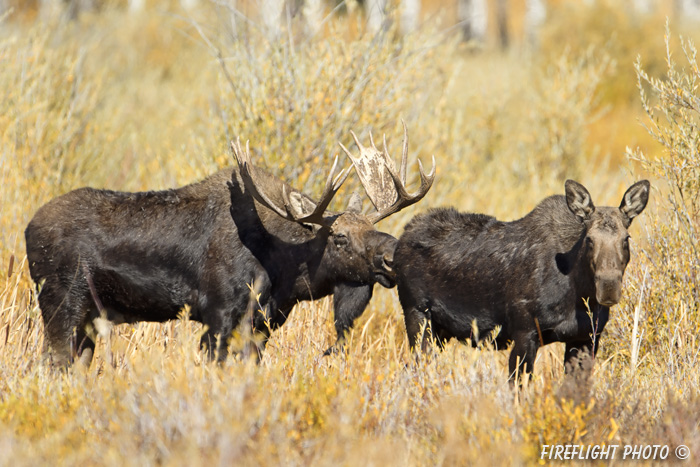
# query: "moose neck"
574,263
316,275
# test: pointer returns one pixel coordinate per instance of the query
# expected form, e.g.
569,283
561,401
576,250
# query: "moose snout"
384,269
388,262
608,288
384,262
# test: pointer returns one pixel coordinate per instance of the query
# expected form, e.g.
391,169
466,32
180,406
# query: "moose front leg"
418,327
349,302
263,321
522,357
582,342
215,339
221,316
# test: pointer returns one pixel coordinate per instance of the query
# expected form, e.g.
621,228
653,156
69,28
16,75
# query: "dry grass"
83,105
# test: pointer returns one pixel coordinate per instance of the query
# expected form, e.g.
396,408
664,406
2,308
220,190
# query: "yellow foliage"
148,101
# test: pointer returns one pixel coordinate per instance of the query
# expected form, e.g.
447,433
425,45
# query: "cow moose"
551,276
103,257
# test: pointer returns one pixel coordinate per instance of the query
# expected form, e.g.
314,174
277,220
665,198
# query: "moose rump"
102,257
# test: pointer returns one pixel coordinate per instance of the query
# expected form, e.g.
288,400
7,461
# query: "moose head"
606,243
346,253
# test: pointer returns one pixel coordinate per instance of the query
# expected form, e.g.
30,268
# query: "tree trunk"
535,15
312,11
502,23
49,9
689,9
642,6
136,5
410,15
473,16
375,11
189,4
271,13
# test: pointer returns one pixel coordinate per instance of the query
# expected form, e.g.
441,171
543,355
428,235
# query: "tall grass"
82,105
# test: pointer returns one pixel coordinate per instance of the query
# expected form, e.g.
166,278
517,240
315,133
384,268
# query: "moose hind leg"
84,347
262,321
215,342
221,317
64,310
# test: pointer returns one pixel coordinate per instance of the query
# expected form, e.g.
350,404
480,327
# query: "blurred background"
511,96
144,94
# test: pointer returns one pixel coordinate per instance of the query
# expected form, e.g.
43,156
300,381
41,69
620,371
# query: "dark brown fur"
147,255
470,276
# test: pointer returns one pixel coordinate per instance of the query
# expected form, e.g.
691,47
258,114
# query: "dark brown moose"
100,257
532,281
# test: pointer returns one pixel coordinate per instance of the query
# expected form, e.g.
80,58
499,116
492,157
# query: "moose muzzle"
608,288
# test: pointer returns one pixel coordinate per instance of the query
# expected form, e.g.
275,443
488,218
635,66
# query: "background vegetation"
136,101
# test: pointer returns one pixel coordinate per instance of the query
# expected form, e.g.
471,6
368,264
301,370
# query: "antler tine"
377,173
371,141
250,181
293,211
333,184
404,199
388,163
357,141
426,179
349,154
404,155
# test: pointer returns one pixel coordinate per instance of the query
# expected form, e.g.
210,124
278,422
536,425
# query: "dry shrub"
669,323
295,99
45,119
609,25
506,131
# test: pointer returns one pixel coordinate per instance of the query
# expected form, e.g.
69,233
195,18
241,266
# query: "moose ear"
578,199
355,203
300,205
635,199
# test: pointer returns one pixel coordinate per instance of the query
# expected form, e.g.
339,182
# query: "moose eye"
340,239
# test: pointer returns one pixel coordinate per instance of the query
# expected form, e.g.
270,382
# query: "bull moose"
103,257
551,276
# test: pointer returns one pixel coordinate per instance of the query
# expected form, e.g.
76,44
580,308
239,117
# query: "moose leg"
579,356
84,347
582,344
259,319
522,357
63,311
349,301
258,322
418,327
220,325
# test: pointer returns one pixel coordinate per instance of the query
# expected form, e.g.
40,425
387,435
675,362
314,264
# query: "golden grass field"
149,101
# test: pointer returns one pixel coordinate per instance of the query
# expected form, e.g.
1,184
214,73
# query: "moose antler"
385,188
297,207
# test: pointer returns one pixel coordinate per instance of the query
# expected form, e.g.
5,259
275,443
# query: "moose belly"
142,293
465,321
